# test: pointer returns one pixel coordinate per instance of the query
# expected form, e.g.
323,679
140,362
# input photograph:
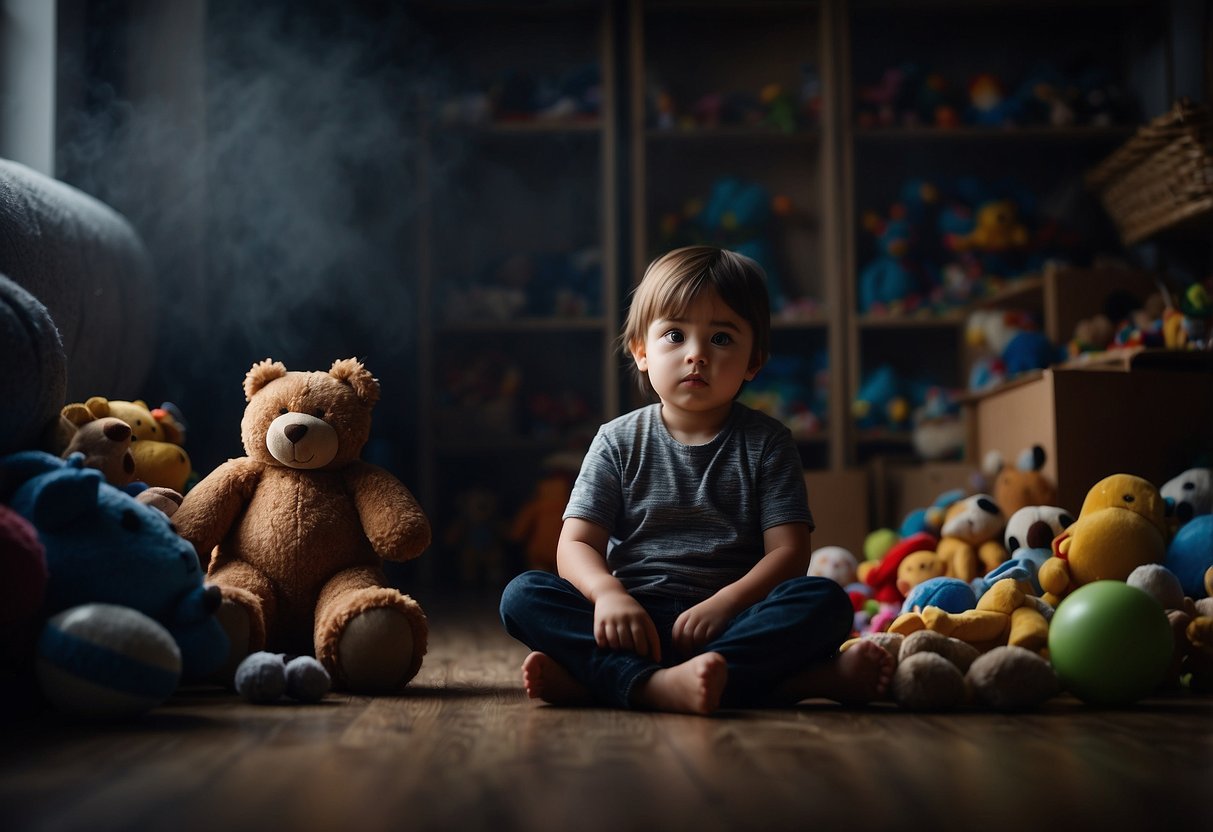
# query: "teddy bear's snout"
298,440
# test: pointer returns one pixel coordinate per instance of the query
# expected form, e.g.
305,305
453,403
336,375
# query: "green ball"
1110,643
879,542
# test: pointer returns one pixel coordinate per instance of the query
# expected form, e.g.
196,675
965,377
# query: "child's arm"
620,623
787,546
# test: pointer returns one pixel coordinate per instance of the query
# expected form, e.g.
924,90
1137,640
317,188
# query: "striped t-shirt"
686,520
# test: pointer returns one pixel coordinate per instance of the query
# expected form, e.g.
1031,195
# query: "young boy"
686,540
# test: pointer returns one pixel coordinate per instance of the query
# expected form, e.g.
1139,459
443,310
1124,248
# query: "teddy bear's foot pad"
376,651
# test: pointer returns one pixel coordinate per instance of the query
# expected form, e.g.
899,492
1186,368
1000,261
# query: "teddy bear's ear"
98,406
350,371
261,374
77,414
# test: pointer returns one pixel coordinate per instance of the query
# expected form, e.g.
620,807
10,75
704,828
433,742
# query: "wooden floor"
464,750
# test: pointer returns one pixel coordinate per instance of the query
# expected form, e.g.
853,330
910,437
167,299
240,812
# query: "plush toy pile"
107,608
985,608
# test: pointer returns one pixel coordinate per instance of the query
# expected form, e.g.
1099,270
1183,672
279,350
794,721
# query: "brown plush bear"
295,532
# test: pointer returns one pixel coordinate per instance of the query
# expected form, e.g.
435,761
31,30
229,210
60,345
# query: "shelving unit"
699,72
518,264
699,99
1007,39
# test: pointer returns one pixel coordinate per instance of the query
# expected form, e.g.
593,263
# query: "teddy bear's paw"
375,651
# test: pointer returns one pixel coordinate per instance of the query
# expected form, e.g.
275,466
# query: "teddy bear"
106,446
970,539
1023,484
155,438
295,532
1122,525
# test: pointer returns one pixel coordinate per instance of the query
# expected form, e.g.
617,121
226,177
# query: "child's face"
699,361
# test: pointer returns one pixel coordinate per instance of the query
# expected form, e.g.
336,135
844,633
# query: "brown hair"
674,280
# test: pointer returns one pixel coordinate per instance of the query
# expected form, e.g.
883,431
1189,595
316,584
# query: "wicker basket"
1162,178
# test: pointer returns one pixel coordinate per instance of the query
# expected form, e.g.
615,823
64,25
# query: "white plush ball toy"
835,563
105,661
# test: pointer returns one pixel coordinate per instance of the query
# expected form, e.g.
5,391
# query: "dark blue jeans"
802,622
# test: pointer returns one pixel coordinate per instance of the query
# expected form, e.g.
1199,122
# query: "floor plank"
463,748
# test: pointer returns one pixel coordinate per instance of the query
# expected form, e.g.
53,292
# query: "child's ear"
755,366
639,355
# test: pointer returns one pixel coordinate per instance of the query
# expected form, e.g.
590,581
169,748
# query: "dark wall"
267,154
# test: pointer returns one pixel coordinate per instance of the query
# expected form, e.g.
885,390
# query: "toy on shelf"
886,284
475,537
1043,94
478,394
738,214
939,432
518,96
792,389
880,401
561,284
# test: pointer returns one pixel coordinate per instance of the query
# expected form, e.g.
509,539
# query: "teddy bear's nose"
295,432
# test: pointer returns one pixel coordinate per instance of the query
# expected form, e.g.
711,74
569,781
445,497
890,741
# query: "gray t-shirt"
686,520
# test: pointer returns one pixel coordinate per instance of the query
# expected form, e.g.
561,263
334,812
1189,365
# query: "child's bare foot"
858,675
544,678
693,687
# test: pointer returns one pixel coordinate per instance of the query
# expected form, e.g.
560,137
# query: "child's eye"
722,339
674,336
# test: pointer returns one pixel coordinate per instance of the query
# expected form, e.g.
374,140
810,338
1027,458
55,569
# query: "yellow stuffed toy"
972,538
156,438
1006,614
1122,525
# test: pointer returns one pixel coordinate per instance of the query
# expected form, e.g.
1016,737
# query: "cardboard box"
1149,414
901,487
839,502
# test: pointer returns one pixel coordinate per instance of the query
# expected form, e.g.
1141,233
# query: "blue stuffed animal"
102,545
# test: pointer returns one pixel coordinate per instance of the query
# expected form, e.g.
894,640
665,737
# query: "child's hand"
620,623
700,624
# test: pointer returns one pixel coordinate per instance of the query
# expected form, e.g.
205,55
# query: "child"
686,539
